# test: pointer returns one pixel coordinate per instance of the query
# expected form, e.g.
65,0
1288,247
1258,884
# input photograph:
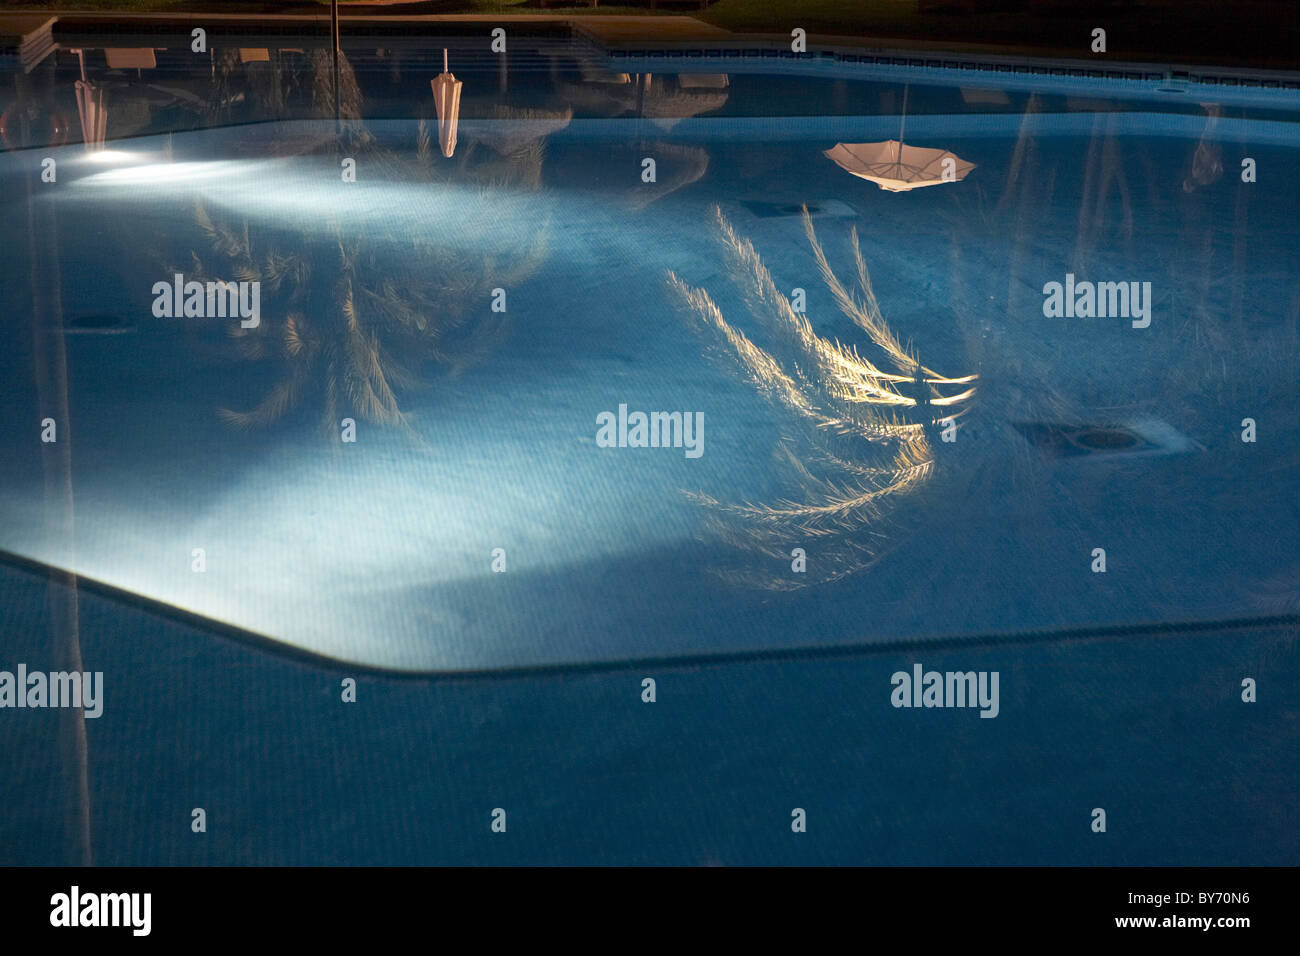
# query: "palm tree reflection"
862,441
353,324
353,317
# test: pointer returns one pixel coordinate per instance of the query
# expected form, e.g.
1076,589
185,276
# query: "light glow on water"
104,157
152,173
307,193
380,553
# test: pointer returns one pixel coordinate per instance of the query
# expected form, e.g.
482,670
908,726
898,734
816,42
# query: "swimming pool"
418,453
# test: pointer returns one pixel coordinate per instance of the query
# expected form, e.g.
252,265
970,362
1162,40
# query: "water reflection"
861,443
664,100
1206,166
678,165
359,312
896,167
446,99
94,115
353,319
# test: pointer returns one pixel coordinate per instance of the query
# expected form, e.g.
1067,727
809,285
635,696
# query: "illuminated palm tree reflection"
863,441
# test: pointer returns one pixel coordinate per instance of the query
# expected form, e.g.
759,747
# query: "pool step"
823,209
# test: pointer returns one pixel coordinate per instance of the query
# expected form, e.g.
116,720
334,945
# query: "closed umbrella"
94,118
90,107
446,97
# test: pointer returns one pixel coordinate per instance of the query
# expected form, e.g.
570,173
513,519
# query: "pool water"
400,468
380,551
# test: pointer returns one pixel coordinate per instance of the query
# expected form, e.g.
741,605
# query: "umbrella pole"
902,122
642,81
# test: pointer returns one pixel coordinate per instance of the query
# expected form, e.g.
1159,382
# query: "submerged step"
825,209
99,323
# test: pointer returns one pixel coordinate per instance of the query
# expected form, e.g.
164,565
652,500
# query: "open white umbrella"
896,167
509,129
666,108
446,97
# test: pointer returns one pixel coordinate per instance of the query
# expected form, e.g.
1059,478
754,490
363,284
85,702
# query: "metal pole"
902,122
334,45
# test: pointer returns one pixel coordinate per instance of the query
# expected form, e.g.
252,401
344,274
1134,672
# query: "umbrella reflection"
94,117
446,97
90,107
509,130
663,101
667,108
896,167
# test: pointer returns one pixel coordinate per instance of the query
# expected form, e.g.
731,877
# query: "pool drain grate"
1145,437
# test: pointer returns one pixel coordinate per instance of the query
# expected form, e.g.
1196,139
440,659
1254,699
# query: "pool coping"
202,624
971,64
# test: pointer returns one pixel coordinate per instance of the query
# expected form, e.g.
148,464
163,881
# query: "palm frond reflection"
862,439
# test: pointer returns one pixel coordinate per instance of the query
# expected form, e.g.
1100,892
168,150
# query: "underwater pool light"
106,156
153,173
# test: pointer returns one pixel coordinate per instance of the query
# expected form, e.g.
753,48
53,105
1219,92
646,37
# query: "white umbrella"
666,108
446,97
703,81
896,167
510,129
